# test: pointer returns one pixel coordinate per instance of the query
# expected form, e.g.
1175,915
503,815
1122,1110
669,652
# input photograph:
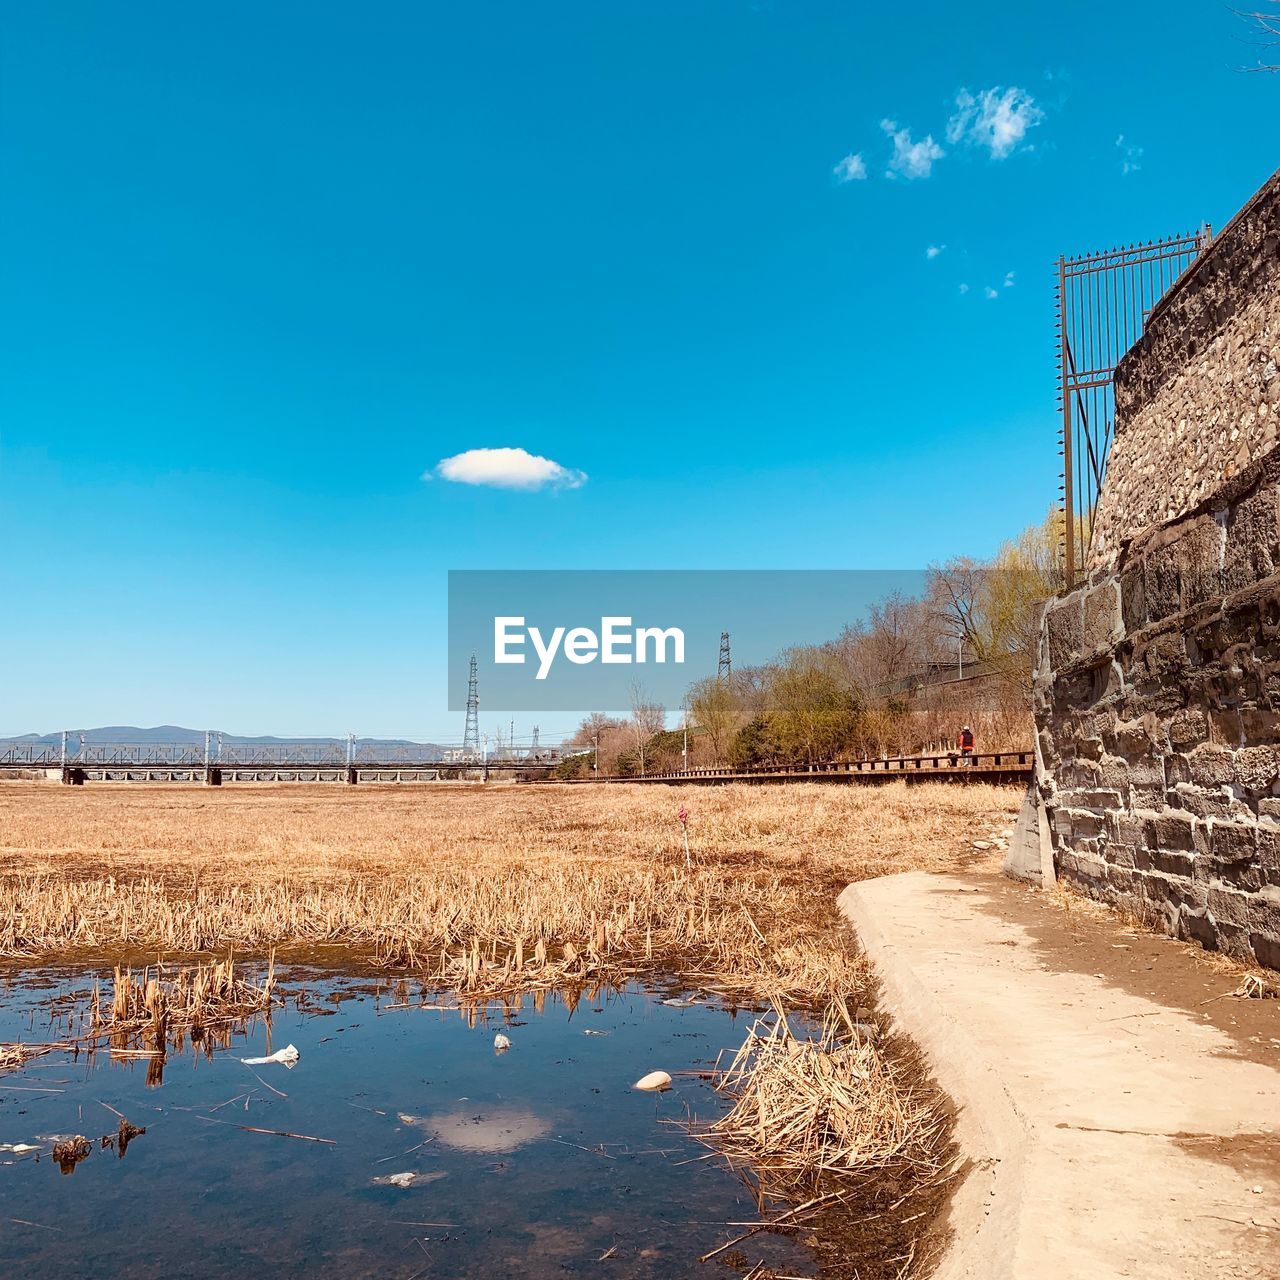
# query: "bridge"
279,761
998,767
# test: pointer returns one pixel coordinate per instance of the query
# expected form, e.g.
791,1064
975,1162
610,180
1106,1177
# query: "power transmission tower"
726,666
471,738
533,746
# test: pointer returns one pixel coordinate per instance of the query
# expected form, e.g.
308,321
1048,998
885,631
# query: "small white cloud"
933,250
851,169
964,288
989,292
1008,279
507,469
910,159
997,119
1130,155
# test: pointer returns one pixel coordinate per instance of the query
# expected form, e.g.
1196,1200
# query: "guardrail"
950,764
181,755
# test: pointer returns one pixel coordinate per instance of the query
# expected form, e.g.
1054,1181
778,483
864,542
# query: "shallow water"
532,1162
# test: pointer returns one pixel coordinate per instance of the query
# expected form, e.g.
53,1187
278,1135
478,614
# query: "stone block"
1136,740
1256,768
1064,624
1101,629
1115,773
1165,657
1229,905
1211,765
1162,584
1133,599
1171,832
1199,553
1202,803
1252,541
1187,728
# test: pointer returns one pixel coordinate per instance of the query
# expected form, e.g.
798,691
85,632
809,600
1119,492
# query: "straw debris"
831,1104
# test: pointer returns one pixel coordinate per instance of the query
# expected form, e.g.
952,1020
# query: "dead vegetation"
829,1104
522,878
165,1008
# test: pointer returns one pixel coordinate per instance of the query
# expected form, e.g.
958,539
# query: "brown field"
492,888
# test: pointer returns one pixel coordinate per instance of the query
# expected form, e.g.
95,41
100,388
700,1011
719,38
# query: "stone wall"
1157,691
1198,397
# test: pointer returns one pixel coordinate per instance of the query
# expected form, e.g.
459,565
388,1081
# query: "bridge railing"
941,762
249,755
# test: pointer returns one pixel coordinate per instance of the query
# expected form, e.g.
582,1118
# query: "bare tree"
955,594
1266,26
595,729
647,718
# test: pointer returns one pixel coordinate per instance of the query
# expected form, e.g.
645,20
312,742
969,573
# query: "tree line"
902,681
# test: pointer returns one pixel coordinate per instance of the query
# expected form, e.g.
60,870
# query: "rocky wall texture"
1157,690
1157,707
1198,397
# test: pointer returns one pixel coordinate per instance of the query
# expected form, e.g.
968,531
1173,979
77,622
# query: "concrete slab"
1111,1133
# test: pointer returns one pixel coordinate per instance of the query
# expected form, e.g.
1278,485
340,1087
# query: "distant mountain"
132,735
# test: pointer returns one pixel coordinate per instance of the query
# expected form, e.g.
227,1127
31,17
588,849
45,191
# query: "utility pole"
725,666
685,752
471,735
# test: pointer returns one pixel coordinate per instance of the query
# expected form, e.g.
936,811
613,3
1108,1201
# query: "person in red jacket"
966,743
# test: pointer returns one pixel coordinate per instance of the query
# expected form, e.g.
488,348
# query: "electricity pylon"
471,737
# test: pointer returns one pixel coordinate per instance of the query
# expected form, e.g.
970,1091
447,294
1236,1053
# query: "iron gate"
1103,303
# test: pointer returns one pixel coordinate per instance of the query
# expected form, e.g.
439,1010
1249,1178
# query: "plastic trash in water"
406,1180
654,1081
286,1057
501,1043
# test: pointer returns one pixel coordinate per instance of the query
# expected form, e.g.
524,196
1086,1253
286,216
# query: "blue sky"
266,266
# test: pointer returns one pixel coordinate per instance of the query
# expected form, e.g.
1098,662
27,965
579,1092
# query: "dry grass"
494,873
828,1104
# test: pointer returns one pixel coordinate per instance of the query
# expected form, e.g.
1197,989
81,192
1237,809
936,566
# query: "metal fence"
1103,303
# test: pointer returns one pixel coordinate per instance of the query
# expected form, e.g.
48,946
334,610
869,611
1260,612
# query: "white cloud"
506,469
1008,279
964,288
933,250
997,119
989,292
911,159
1130,156
851,169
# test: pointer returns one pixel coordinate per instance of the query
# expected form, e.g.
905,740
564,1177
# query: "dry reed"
492,890
173,1008
832,1104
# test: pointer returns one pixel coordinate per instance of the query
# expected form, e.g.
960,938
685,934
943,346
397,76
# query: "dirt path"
1121,1109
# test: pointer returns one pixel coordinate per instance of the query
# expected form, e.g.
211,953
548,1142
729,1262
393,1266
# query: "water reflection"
491,1130
400,1142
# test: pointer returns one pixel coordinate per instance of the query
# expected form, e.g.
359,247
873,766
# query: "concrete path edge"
986,1209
